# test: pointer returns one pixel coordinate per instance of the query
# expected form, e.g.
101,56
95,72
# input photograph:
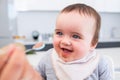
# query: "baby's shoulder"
105,63
105,60
46,56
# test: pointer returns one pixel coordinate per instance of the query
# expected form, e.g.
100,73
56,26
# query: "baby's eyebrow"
57,29
75,33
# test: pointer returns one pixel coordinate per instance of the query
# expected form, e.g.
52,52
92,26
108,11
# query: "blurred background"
32,21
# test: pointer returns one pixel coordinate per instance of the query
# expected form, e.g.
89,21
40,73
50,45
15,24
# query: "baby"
73,56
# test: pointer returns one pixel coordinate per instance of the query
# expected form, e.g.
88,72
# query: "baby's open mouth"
66,50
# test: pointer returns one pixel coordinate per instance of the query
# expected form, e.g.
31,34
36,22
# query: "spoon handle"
30,51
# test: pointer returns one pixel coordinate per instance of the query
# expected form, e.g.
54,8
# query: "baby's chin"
67,58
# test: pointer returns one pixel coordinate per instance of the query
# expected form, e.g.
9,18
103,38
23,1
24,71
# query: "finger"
15,66
29,73
3,58
38,76
4,55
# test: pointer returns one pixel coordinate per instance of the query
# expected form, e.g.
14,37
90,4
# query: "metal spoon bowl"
32,50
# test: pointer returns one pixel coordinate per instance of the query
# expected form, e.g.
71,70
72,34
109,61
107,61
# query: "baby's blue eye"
76,36
59,33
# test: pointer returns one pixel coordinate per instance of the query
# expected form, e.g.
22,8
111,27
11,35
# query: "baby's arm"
106,69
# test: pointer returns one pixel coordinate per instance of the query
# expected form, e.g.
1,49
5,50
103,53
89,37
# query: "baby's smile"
67,50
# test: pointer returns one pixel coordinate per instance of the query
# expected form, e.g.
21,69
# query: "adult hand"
14,65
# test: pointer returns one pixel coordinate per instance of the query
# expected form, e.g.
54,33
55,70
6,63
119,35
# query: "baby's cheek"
81,51
56,41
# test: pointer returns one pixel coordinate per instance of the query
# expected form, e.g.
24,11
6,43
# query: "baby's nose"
66,41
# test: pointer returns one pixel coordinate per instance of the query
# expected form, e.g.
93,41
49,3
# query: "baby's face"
73,35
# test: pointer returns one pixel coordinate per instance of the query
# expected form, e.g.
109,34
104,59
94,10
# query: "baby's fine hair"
89,11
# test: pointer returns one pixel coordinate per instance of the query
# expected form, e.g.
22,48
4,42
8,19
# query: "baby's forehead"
75,16
73,13
75,20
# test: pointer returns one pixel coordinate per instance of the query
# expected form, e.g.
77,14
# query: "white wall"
5,33
100,5
42,21
110,27
4,18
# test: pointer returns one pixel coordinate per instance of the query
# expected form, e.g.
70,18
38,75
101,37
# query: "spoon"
32,50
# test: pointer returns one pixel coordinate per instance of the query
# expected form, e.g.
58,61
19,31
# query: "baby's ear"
92,47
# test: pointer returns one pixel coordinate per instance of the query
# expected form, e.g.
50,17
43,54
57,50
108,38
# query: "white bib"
74,70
